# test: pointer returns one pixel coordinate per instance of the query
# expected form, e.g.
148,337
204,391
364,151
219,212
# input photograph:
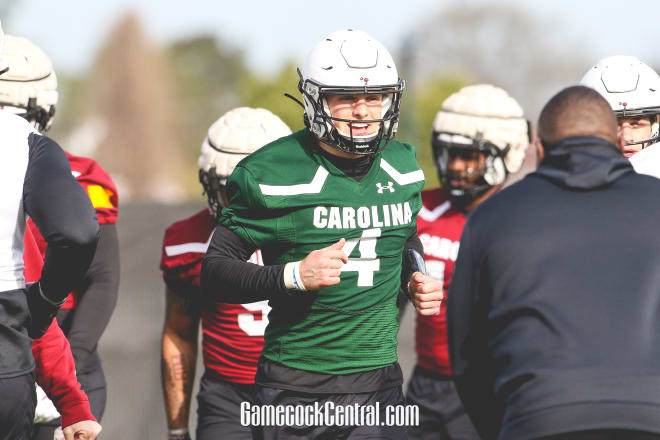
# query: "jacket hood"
583,162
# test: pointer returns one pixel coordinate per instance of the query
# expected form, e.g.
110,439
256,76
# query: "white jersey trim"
178,249
314,187
201,248
432,215
402,179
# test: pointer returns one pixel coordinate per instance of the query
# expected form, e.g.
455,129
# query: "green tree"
207,74
268,93
418,109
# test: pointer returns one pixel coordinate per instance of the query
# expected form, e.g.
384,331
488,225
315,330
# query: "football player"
633,91
479,137
232,334
29,89
37,181
333,208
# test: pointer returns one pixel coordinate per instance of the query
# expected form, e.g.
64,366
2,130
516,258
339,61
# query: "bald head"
576,111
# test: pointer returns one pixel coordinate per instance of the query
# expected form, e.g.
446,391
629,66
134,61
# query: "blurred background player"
29,79
29,89
633,91
232,333
36,181
333,208
479,137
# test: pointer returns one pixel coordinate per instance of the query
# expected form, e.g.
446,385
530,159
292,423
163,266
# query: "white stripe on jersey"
178,249
431,216
402,179
314,187
201,248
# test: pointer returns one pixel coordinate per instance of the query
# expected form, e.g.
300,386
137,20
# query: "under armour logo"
390,186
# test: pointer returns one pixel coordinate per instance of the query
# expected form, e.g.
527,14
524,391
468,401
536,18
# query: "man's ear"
540,151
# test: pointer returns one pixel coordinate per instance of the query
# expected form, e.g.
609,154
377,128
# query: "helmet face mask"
624,118
214,189
350,63
483,165
39,117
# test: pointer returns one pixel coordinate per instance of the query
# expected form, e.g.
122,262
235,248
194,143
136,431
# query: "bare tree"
500,44
131,117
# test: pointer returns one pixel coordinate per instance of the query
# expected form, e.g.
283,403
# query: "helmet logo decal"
366,80
381,188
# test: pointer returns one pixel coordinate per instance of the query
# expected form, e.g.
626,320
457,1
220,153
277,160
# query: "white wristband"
176,434
292,277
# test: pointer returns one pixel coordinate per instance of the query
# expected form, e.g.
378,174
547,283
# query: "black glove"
42,310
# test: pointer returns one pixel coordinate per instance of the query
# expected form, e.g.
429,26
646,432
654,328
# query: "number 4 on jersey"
367,263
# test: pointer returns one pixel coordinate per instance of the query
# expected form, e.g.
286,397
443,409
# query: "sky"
71,31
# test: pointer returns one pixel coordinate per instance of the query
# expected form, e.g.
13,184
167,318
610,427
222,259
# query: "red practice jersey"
232,338
103,194
55,370
439,226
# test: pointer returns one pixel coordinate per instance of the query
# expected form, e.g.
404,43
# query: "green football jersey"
288,200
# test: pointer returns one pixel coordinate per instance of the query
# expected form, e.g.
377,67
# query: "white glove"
45,410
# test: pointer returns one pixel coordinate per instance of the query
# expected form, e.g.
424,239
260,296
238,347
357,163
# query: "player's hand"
425,294
321,268
85,430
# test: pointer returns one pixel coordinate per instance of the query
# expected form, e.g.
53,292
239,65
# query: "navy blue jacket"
554,306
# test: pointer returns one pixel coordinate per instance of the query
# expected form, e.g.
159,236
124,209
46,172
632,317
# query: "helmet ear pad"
495,170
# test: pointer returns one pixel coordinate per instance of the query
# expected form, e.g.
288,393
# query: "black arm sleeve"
64,215
228,277
97,297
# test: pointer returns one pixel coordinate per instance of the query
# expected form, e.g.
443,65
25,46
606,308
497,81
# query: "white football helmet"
29,87
481,118
631,87
232,137
350,62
